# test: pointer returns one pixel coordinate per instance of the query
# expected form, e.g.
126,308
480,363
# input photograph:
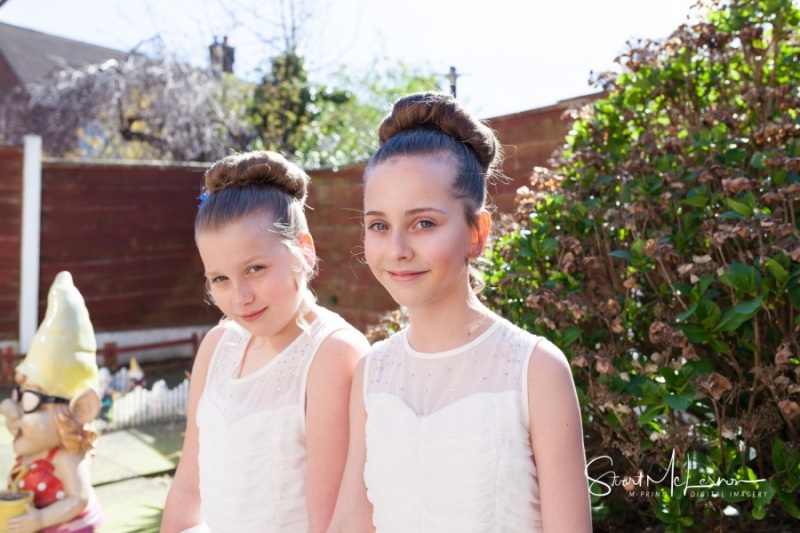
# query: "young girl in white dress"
266,434
461,422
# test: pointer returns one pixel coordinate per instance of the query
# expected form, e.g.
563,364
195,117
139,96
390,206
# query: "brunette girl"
461,422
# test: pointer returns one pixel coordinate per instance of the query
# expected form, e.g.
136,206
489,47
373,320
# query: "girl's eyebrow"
415,211
260,258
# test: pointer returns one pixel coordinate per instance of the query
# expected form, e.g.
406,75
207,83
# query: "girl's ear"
306,243
480,233
85,406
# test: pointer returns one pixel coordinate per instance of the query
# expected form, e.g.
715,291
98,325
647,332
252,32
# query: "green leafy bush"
662,254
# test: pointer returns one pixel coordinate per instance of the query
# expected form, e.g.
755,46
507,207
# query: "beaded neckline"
453,351
237,378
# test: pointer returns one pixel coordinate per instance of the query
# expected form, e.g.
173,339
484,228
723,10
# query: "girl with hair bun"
267,424
461,422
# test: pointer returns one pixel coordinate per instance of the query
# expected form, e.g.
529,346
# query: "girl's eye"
257,268
425,224
218,279
378,226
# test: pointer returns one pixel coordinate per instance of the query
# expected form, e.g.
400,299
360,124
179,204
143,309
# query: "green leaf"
743,278
649,414
765,494
731,215
749,308
708,314
570,335
549,247
778,272
700,288
600,512
701,367
758,512
735,316
663,513
696,201
686,314
740,208
719,345
787,502
695,333
680,401
621,254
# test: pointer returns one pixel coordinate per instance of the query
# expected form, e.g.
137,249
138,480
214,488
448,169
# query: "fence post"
29,241
110,354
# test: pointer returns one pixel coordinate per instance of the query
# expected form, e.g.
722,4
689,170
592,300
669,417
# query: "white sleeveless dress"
252,457
448,436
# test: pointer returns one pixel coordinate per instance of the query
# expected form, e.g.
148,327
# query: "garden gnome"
136,375
51,416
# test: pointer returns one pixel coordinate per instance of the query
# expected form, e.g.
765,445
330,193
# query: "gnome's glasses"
30,400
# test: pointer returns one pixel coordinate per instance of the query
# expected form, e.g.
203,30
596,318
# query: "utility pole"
452,76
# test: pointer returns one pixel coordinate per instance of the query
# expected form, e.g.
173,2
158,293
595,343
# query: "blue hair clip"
203,197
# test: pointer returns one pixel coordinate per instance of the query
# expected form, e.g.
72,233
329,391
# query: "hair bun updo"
443,112
257,168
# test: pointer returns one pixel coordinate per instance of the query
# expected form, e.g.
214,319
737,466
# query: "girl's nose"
399,247
244,294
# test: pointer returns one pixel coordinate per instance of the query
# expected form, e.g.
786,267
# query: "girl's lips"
405,276
253,316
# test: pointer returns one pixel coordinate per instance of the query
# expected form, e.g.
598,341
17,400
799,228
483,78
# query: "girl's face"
252,275
417,239
35,432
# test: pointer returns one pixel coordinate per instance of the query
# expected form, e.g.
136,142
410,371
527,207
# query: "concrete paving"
131,473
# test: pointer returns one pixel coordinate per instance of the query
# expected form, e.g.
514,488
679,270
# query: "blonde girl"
462,422
266,435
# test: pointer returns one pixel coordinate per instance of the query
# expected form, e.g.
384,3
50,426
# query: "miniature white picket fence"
142,406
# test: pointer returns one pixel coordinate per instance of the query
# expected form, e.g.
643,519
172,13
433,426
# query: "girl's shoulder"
330,324
508,334
225,327
337,334
227,333
327,319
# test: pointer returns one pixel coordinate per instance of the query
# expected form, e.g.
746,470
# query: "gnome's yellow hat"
62,359
134,369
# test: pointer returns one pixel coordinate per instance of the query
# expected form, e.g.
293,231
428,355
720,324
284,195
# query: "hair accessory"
203,197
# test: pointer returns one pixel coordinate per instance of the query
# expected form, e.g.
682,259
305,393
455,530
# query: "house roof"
32,54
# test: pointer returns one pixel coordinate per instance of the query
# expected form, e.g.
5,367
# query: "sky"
511,55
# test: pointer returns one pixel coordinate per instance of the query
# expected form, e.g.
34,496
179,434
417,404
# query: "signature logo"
603,484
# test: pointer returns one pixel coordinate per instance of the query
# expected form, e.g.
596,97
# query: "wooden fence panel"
126,232
10,219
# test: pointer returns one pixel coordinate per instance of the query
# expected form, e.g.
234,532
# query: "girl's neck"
262,350
434,329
